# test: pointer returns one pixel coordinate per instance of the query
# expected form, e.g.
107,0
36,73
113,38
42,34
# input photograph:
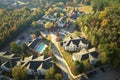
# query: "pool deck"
42,49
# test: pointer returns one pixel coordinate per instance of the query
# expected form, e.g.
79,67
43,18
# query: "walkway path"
63,64
59,58
62,61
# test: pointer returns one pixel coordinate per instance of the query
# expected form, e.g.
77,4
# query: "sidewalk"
62,59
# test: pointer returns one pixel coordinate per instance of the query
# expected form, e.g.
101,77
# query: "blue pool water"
40,47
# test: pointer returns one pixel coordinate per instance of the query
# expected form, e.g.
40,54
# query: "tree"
103,31
58,39
76,1
48,25
76,26
50,73
50,52
104,23
88,2
35,24
79,66
98,5
19,73
47,12
58,76
25,48
14,22
37,33
60,4
61,15
15,48
86,65
55,14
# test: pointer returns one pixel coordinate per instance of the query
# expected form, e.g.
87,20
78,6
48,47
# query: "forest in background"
102,29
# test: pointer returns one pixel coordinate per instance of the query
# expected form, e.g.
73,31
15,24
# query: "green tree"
35,24
76,26
37,33
86,65
48,25
58,76
50,73
25,48
19,73
79,66
103,30
15,48
98,5
76,1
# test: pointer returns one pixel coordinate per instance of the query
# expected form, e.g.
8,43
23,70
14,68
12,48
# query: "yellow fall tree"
102,14
48,25
104,22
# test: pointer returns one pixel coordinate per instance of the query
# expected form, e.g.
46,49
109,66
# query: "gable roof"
33,43
7,56
40,58
34,64
94,54
74,41
85,54
28,58
2,53
9,64
84,57
47,63
77,41
40,62
83,51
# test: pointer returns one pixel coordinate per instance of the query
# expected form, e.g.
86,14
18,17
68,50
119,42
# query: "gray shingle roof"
10,64
77,41
34,64
94,54
32,45
84,57
85,54
39,62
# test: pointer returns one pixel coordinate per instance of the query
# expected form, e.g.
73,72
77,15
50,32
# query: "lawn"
67,56
21,3
74,34
83,8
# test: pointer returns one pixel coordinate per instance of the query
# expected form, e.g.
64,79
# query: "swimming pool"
40,47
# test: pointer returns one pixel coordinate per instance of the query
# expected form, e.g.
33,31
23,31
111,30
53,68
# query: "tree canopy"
103,32
15,48
19,73
12,23
48,25
50,73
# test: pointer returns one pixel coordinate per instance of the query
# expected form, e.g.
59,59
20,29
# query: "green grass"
67,56
21,3
74,35
83,8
